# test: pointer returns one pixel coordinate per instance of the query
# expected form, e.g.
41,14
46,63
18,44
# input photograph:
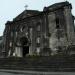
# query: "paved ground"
19,72
4,73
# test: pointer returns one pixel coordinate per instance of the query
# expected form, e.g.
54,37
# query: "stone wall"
47,31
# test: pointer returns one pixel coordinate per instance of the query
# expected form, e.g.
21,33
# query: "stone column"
69,25
52,30
30,47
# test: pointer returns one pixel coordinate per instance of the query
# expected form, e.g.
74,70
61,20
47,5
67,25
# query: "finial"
65,0
26,6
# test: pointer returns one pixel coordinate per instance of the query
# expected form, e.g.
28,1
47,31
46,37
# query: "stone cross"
26,6
65,0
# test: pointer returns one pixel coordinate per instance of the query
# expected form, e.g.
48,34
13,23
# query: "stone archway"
25,46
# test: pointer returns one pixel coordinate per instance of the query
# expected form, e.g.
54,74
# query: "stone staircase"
39,63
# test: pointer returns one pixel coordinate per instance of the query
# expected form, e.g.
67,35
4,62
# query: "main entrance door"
25,46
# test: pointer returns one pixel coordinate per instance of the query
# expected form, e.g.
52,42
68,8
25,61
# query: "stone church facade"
40,33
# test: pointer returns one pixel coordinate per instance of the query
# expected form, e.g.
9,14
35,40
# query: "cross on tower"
26,6
65,0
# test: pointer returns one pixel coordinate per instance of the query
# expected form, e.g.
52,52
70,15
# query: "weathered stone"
40,33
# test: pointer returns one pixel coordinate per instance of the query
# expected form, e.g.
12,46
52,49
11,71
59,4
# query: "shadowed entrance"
25,46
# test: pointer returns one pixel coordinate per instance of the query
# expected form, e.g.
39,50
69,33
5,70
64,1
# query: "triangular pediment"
26,13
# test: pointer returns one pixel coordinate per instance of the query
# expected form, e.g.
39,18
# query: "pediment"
26,13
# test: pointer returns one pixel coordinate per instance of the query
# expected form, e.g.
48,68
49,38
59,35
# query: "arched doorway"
25,46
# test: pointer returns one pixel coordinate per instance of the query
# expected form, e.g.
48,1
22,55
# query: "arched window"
16,33
10,44
38,40
38,26
11,34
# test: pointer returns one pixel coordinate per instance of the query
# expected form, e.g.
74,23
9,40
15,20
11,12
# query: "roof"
57,6
26,13
29,13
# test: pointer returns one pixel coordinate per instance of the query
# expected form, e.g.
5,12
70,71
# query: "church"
41,33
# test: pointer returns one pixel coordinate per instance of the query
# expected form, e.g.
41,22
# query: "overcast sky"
9,9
